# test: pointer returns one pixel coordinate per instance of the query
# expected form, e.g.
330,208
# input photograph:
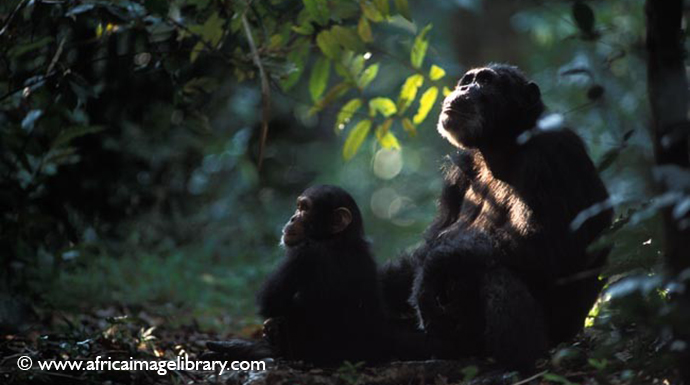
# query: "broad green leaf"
446,91
334,93
319,77
347,112
276,41
409,127
21,49
355,139
201,84
403,9
426,103
317,10
364,30
382,6
196,50
298,58
347,38
303,29
408,92
30,119
71,133
368,75
371,12
383,105
212,30
328,44
436,72
419,47
385,137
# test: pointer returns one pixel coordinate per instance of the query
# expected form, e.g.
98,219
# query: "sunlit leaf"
383,7
446,91
368,75
346,113
419,47
364,30
408,92
347,38
328,44
436,72
385,137
403,9
409,127
371,12
355,139
384,106
426,103
334,93
317,10
319,77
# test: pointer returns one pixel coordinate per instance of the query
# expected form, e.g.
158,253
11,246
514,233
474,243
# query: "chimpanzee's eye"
485,77
467,79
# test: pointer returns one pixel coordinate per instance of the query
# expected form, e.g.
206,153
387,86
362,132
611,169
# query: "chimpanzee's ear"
342,217
534,93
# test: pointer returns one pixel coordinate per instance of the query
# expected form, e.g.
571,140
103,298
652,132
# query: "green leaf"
196,50
436,72
584,17
382,6
419,47
346,113
71,133
364,30
21,49
598,364
446,91
298,57
371,12
318,10
385,137
319,77
328,44
409,127
408,92
30,119
334,93
355,139
212,30
201,84
426,103
368,75
347,38
383,105
404,9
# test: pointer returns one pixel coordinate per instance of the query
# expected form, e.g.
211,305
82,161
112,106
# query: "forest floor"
124,334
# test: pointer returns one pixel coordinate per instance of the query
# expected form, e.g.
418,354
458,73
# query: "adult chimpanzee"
501,272
322,304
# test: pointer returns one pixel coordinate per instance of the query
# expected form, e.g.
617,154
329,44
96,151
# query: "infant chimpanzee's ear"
342,217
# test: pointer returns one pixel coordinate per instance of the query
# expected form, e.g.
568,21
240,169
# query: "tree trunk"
668,97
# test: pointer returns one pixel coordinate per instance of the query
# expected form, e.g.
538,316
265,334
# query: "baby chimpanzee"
322,303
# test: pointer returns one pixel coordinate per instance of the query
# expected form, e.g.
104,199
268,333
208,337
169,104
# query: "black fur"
500,272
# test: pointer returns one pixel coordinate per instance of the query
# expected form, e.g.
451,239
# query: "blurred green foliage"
131,133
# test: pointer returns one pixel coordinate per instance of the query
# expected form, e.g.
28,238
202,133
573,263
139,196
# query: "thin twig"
265,89
7,22
534,377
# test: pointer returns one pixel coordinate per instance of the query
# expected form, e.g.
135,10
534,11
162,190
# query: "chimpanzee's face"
488,105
